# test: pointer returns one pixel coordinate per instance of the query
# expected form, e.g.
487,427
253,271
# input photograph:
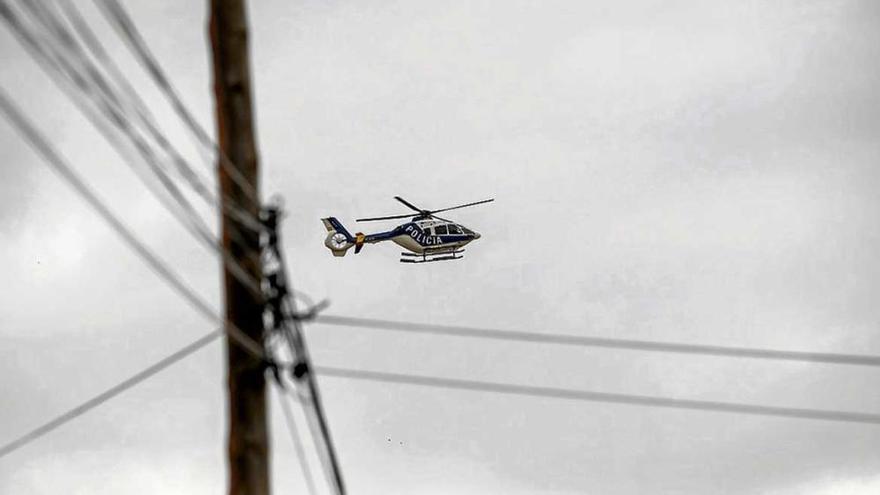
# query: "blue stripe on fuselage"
421,237
426,240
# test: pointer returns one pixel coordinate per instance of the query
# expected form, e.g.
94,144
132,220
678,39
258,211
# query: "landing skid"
428,257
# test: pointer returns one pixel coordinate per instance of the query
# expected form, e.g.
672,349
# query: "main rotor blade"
441,218
462,206
408,204
392,217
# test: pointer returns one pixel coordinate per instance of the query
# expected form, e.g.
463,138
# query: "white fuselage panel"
410,244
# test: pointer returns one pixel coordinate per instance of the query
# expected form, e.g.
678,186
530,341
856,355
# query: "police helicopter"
426,236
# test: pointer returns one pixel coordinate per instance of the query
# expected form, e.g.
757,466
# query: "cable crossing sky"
602,342
589,396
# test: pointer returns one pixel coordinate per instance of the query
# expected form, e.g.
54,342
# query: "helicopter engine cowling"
337,243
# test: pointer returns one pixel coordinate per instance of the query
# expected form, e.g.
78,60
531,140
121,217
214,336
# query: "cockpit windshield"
454,229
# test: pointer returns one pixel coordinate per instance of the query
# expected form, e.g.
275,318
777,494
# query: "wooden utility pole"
248,435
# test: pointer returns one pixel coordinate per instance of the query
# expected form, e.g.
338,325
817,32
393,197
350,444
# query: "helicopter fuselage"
419,237
426,236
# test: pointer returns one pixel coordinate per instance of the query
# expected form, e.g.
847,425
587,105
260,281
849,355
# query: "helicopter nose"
476,235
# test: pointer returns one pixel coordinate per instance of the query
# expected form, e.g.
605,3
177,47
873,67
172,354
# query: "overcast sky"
694,171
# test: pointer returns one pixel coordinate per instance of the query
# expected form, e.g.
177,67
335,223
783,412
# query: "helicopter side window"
453,229
440,230
427,230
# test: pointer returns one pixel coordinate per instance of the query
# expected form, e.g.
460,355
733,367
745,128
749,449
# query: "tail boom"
339,240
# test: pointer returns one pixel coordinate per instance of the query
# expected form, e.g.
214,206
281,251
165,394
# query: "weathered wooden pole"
248,431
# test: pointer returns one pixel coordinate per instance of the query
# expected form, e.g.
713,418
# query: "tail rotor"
338,240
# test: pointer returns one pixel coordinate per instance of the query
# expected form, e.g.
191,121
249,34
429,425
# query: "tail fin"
338,240
334,225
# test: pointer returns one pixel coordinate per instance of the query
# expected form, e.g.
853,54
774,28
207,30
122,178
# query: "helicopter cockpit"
435,227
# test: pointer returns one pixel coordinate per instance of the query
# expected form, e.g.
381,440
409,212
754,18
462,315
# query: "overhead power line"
109,393
602,342
140,108
117,16
56,52
331,470
59,60
90,39
590,396
60,165
287,321
295,437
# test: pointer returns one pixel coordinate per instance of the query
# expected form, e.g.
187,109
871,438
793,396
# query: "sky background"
700,171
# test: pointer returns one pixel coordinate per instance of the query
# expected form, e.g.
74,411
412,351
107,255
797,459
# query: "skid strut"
429,256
